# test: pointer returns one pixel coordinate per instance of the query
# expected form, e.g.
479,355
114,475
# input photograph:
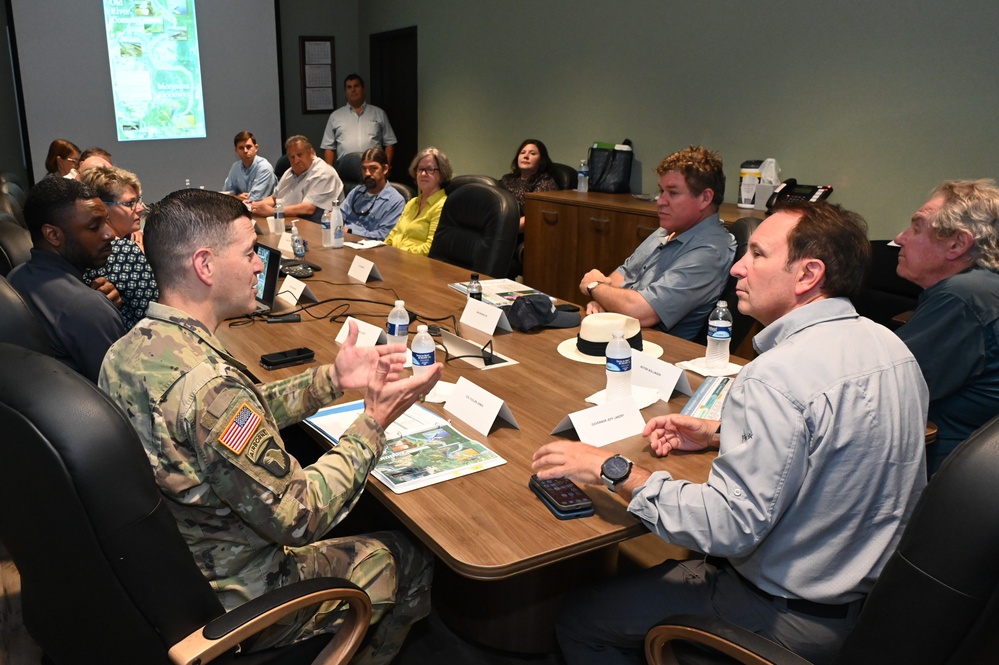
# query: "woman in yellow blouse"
415,230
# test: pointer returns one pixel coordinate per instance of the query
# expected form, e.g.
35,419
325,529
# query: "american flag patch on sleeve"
240,429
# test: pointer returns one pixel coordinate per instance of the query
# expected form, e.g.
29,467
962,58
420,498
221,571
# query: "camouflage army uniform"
249,513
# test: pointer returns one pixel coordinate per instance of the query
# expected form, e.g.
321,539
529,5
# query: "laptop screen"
267,280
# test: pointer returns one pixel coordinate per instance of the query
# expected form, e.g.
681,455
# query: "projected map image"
155,69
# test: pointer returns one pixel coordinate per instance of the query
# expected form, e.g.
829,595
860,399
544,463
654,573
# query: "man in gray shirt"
820,463
673,279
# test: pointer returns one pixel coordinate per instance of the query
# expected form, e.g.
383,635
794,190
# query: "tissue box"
763,193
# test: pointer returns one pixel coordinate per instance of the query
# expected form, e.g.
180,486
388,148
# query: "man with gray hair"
951,249
308,188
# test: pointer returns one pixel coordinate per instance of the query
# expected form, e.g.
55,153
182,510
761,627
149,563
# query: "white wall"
881,100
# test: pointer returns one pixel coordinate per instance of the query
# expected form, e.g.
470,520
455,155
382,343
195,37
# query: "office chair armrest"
228,630
744,646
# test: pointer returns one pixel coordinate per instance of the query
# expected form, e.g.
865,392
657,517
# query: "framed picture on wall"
317,64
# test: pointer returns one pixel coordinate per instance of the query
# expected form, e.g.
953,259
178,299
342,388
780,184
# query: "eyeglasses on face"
428,170
128,204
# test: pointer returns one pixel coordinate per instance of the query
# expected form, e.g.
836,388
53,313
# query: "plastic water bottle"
618,368
475,287
424,351
297,244
719,336
337,223
398,324
279,211
583,184
327,224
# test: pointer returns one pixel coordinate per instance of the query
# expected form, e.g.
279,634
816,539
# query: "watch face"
616,468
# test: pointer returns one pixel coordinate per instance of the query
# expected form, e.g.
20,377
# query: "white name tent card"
292,291
665,377
364,270
604,424
367,333
484,317
284,244
472,353
478,407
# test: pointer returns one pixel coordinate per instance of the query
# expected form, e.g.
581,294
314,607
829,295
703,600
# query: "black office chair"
18,324
564,175
105,574
885,294
742,324
937,600
9,205
478,229
462,180
15,244
9,184
348,167
281,164
406,191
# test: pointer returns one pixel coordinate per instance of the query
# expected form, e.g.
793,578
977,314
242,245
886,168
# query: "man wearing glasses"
372,209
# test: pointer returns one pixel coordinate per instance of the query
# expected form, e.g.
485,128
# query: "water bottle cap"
421,328
722,303
475,275
618,334
400,303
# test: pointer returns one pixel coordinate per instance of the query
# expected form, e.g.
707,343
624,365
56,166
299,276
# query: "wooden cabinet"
567,233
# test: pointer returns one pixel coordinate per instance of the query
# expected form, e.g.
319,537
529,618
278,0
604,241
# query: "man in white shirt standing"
357,126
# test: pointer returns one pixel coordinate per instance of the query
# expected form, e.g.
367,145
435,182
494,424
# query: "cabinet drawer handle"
550,216
597,220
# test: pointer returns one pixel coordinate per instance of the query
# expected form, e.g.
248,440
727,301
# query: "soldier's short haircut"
183,222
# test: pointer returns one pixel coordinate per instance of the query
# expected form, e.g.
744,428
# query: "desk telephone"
790,191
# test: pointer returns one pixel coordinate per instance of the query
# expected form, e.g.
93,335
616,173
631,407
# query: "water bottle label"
619,364
326,224
338,232
719,329
398,329
423,359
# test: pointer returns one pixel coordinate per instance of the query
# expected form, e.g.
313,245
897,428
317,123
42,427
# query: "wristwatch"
591,286
615,470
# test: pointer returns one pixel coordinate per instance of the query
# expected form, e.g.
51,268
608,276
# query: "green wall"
881,100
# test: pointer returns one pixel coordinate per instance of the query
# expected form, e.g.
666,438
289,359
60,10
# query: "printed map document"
422,448
498,292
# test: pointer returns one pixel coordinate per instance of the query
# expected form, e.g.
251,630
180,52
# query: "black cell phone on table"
287,358
562,497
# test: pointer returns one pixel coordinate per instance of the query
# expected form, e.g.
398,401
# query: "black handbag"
610,169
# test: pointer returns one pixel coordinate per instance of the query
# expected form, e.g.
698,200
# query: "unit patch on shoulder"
240,429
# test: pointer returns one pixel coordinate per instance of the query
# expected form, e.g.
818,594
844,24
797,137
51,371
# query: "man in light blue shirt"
251,178
672,281
371,210
356,126
819,467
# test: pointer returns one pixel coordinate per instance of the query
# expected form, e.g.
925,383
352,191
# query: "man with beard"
371,210
70,233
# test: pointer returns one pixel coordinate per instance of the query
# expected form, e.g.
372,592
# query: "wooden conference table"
507,558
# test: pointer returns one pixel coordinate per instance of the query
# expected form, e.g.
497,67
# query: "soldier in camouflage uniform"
251,515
